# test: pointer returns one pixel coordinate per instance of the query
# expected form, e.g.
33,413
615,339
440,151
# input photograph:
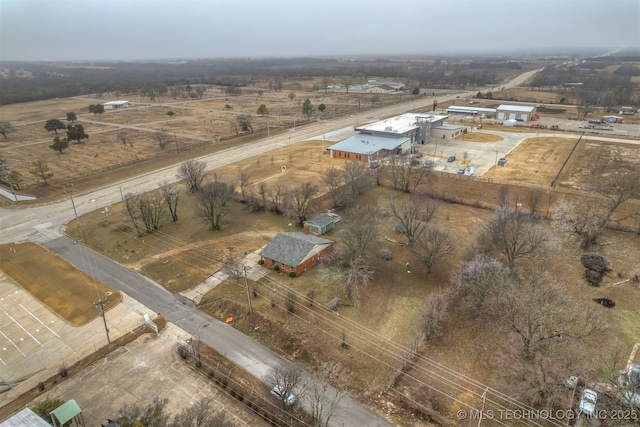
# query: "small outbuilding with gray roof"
295,251
320,224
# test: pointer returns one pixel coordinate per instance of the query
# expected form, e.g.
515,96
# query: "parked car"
469,170
461,171
283,395
451,159
588,401
503,161
428,163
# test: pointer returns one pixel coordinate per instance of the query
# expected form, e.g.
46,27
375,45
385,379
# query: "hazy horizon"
126,30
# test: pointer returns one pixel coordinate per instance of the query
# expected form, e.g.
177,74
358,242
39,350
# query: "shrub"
276,268
261,262
385,254
292,274
290,301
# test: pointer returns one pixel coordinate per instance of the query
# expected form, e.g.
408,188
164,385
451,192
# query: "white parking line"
39,321
9,339
20,326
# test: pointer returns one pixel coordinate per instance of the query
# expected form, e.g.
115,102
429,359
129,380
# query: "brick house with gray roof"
295,251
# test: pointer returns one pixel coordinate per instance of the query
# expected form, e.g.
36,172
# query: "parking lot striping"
14,344
3,362
39,321
20,326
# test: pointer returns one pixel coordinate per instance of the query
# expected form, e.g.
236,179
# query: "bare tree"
244,178
588,216
233,125
333,181
200,414
534,197
537,313
356,176
153,414
433,314
324,399
347,81
41,170
5,128
379,172
277,196
150,206
130,205
414,213
514,235
192,172
245,122
504,197
287,379
358,234
121,136
263,193
171,197
326,82
407,177
359,274
299,201
434,245
477,284
212,201
162,137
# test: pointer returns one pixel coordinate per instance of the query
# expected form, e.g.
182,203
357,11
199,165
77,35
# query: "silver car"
588,401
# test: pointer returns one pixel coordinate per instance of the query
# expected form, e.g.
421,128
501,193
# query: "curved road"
42,224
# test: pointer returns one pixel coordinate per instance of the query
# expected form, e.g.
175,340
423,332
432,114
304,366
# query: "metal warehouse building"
515,112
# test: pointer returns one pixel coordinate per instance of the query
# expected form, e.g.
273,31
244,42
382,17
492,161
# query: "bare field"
535,160
27,112
479,137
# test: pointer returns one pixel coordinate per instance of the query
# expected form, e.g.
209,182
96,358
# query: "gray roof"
368,144
521,108
25,418
461,109
321,220
294,247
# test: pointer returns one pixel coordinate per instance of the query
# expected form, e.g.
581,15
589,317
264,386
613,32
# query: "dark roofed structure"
320,224
295,251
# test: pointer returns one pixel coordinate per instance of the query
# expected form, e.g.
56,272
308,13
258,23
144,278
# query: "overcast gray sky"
153,29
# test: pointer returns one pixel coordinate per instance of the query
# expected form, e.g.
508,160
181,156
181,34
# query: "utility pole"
69,189
246,286
100,304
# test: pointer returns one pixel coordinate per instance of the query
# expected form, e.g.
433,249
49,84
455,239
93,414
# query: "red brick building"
295,251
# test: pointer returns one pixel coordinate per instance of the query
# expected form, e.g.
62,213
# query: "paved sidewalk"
255,272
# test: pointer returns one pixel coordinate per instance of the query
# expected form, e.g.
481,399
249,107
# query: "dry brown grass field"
196,123
75,292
